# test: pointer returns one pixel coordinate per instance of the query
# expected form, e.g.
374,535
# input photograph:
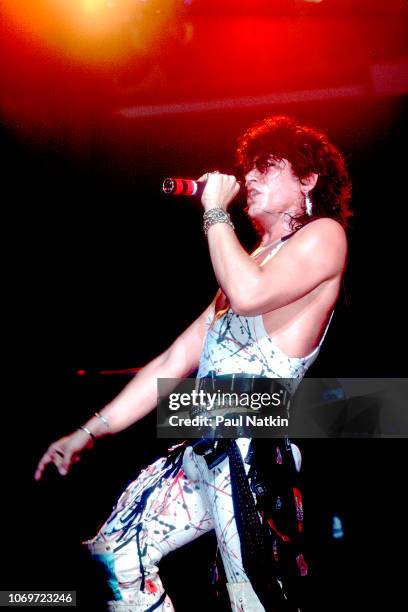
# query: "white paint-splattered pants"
159,513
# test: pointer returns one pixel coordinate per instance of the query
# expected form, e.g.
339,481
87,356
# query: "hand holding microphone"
220,189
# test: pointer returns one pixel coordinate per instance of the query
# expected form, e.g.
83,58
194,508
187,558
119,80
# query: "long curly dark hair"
308,150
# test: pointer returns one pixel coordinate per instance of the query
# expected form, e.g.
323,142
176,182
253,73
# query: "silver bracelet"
103,419
216,215
88,431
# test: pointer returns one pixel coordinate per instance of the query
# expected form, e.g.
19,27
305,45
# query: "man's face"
274,189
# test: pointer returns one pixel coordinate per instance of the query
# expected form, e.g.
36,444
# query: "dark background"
102,272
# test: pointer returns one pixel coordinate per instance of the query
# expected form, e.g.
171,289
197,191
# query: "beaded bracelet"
216,215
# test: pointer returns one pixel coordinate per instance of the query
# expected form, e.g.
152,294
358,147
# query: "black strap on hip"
252,540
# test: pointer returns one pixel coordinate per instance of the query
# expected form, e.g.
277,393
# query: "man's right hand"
63,453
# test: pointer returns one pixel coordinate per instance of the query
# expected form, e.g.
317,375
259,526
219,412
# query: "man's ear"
309,182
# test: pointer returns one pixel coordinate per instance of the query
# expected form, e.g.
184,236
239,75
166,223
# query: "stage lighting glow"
94,6
90,30
97,16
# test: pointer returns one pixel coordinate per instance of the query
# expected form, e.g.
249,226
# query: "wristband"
216,215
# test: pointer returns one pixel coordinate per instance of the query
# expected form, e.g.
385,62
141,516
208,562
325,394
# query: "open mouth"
252,192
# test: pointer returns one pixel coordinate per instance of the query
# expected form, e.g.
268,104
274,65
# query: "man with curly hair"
267,321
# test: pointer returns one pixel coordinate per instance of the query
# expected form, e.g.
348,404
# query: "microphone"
185,187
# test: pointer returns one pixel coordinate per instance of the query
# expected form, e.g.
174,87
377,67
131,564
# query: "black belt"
231,393
240,383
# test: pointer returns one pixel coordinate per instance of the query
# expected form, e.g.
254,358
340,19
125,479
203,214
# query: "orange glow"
90,30
97,16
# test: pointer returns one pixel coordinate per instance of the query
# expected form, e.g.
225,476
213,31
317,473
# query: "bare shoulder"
324,242
324,233
323,229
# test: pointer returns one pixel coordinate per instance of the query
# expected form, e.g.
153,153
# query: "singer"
267,321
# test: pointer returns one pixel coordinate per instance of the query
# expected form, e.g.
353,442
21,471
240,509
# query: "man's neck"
277,230
274,234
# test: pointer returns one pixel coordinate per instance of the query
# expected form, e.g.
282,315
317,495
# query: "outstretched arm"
139,397
136,400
